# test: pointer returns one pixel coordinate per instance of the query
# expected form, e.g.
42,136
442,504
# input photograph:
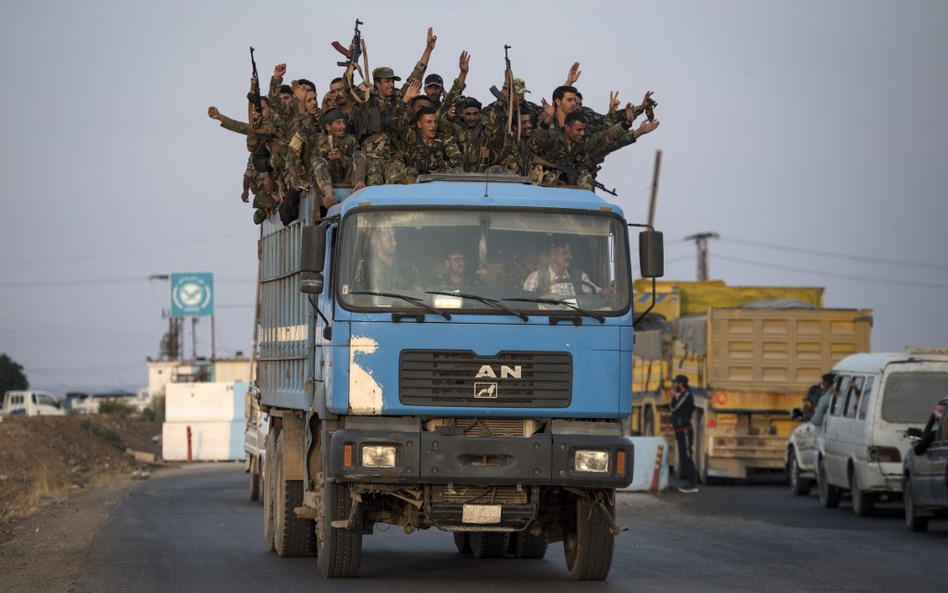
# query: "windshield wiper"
413,300
487,301
565,303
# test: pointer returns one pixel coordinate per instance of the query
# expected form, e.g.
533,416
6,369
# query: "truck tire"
338,550
489,544
529,546
864,503
829,494
798,486
254,485
269,490
292,536
462,542
589,545
912,520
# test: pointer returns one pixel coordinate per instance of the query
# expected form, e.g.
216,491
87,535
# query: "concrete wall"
215,414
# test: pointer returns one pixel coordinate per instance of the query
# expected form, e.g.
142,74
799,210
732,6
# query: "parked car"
30,403
925,481
802,449
864,441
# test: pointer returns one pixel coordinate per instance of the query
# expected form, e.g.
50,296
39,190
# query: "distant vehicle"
925,480
30,403
801,456
864,441
73,396
90,403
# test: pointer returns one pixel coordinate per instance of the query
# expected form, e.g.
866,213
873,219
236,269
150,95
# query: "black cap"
680,379
434,79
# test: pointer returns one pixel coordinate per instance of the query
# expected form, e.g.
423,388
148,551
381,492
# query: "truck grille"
505,380
475,495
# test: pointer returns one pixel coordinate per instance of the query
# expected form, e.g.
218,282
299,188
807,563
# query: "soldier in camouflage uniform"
378,121
520,90
432,152
253,180
337,160
571,147
471,136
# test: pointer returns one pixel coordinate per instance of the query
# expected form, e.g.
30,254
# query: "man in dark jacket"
682,408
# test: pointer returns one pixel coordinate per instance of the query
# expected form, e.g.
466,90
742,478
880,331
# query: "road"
193,529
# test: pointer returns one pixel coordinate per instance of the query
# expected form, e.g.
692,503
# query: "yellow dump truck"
750,354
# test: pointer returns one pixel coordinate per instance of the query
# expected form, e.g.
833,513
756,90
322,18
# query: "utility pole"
701,240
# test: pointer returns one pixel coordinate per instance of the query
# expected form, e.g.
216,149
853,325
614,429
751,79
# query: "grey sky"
791,129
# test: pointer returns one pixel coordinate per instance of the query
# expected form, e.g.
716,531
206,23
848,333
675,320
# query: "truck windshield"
495,262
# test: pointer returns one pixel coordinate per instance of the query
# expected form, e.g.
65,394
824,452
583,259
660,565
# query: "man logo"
506,372
485,390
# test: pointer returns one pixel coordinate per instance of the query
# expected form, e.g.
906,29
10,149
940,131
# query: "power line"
97,281
850,257
837,275
92,256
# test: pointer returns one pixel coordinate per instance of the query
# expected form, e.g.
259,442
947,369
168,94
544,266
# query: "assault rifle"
254,95
571,174
354,51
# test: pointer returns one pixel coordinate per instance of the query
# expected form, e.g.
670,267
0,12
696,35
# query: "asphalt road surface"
194,529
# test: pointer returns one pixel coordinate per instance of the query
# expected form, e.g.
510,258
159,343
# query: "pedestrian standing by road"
682,408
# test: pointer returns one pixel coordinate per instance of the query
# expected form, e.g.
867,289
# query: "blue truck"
453,354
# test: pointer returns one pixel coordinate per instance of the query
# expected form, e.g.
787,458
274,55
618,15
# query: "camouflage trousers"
553,178
535,174
327,177
384,171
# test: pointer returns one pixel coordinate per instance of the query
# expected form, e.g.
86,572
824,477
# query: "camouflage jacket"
553,146
441,156
347,145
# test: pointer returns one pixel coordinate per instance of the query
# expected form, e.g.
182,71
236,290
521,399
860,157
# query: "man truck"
491,409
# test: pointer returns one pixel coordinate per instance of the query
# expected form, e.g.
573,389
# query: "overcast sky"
810,135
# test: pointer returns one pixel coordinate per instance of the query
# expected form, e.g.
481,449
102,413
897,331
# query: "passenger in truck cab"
555,278
386,273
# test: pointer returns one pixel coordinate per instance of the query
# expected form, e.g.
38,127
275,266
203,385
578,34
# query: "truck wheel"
912,520
462,542
254,485
798,486
829,494
338,550
292,536
489,544
529,546
589,545
268,490
863,502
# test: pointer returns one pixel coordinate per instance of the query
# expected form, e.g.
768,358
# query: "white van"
30,403
863,441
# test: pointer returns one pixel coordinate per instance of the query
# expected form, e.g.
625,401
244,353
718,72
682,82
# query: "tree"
11,375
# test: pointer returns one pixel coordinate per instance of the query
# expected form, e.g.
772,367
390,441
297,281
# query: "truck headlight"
591,461
378,456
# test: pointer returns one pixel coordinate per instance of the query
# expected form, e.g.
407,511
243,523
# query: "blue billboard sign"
192,294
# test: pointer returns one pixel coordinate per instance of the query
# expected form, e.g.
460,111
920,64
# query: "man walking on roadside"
682,408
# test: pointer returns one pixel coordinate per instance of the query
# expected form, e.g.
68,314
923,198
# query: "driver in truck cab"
555,277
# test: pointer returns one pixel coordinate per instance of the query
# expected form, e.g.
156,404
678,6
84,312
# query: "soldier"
432,152
564,103
337,159
498,109
571,147
455,273
434,89
471,136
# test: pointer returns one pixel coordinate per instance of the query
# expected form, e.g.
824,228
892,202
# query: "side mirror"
796,414
311,282
652,254
313,249
914,433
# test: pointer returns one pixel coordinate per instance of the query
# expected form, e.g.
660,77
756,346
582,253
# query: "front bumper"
431,458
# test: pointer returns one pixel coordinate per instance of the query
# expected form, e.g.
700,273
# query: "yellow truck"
750,354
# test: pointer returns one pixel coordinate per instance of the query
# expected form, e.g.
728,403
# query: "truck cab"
30,403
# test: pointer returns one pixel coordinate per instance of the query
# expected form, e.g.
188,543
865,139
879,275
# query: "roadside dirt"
60,478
